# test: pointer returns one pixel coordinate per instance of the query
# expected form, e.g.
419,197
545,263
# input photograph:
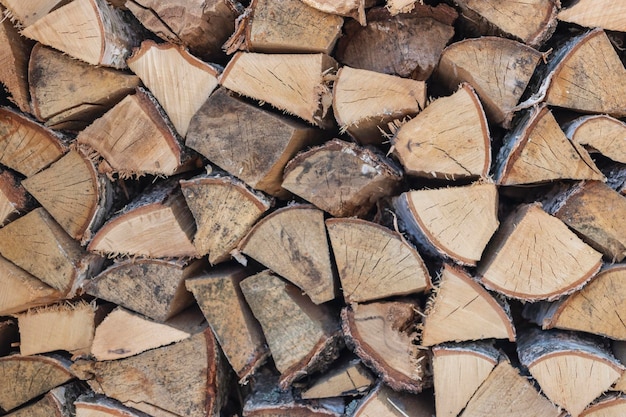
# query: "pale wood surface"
385,402
348,377
14,53
600,133
28,12
610,405
58,402
102,406
349,8
14,200
605,14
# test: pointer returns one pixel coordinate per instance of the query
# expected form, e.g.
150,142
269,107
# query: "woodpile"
312,208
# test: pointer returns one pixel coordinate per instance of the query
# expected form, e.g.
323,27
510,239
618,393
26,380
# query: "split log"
499,85
603,14
461,310
14,200
28,147
618,347
152,287
225,210
384,335
607,406
292,242
537,151
599,133
20,291
364,102
222,302
9,336
90,30
38,244
599,308
201,26
93,405
27,377
385,402
68,94
156,224
424,33
506,393
448,139
14,52
454,222
29,12
178,80
572,371
348,8
596,213
341,178
68,327
373,262
294,83
526,257
347,377
289,26
249,142
58,402
123,333
303,337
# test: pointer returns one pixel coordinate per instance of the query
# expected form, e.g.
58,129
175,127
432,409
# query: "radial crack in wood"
599,133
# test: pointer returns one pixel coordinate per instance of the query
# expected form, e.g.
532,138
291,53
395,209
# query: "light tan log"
500,84
341,178
14,200
385,402
424,33
303,337
178,80
572,371
225,210
453,222
294,83
384,335
605,14
201,26
68,94
537,151
460,309
249,142
364,102
506,393
526,259
28,12
152,287
26,377
347,377
610,405
90,30
599,308
349,8
599,133
292,242
458,371
374,262
396,7
102,406
28,147
20,291
449,139
156,224
14,52
58,402
239,334
289,26
36,243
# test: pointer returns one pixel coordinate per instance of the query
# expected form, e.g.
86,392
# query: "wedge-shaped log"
14,199
349,8
348,376
424,32
186,378
385,402
222,302
460,309
178,80
156,224
74,194
292,242
14,52
596,14
500,84
448,139
526,259
537,151
90,30
152,287
201,26
455,222
225,210
599,308
68,94
289,26
136,138
58,402
27,146
364,102
374,262
303,337
384,335
27,377
610,405
507,393
29,12
341,178
599,133
249,142
571,370
38,244
472,362
294,83
102,406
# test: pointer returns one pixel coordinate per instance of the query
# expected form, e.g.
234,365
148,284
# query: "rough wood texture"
349,8
599,133
14,200
611,405
20,291
347,377
29,12
102,406
58,402
603,14
385,402
14,52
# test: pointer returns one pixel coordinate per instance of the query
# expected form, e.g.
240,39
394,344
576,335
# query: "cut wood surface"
28,13
57,402
385,402
603,14
599,133
14,51
348,377
607,406
349,8
102,406
14,200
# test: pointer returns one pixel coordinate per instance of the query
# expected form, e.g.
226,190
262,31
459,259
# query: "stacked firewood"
312,208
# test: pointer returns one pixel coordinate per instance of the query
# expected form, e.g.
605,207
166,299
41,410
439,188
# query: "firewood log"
348,376
93,405
14,200
349,8
599,133
14,53
20,290
27,13
385,402
610,405
592,14
58,402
